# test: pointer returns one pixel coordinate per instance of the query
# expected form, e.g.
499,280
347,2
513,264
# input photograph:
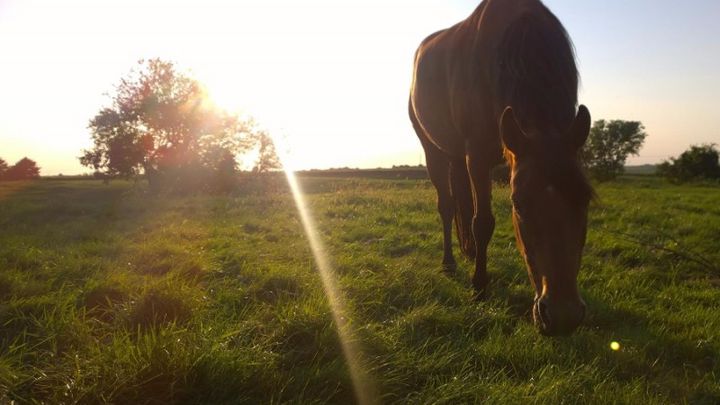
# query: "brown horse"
504,81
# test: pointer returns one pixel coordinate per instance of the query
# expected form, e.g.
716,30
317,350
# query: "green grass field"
111,295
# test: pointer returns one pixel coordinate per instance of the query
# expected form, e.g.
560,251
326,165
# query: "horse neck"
541,86
478,37
492,17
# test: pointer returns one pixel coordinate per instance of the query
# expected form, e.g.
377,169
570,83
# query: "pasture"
111,295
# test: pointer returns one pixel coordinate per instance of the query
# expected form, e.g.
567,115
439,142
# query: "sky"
331,77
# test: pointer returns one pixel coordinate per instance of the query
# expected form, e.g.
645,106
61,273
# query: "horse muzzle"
554,318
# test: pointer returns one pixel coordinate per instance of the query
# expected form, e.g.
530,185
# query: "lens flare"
363,388
615,346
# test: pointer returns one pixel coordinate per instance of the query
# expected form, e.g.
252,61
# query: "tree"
700,162
3,168
24,169
608,146
267,155
162,124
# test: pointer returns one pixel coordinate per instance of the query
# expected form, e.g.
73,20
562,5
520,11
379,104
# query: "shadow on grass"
649,346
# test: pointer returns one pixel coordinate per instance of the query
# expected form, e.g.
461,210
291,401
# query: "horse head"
550,198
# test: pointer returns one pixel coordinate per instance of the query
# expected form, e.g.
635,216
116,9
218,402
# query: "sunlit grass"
108,294
362,385
8,188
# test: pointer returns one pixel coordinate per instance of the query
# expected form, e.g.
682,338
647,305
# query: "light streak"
362,385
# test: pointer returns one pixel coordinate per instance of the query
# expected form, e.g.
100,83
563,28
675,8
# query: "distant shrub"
700,162
24,169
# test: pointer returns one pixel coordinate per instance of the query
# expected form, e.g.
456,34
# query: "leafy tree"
608,146
161,124
700,162
3,168
267,155
24,169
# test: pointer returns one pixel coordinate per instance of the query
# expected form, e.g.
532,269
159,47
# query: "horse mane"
537,75
536,72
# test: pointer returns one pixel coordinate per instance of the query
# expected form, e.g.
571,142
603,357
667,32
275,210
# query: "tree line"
700,162
611,142
23,169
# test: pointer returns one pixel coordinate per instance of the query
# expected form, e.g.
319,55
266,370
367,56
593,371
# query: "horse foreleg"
483,223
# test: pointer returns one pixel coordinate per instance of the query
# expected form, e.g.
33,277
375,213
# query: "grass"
111,295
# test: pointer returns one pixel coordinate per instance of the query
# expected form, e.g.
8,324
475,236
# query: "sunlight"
362,385
342,97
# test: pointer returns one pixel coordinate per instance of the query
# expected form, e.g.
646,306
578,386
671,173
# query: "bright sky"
332,76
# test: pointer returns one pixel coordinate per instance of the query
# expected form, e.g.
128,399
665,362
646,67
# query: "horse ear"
512,135
580,128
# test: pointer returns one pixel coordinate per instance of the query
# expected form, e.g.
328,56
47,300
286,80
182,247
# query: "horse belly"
438,129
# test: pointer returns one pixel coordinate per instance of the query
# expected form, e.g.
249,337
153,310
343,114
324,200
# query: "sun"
334,91
227,89
254,92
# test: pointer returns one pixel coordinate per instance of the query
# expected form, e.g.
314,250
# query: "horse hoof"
480,290
480,286
480,296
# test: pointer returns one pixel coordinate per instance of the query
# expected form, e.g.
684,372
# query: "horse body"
504,80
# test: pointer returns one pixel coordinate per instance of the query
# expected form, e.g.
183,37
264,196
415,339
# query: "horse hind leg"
461,191
438,166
